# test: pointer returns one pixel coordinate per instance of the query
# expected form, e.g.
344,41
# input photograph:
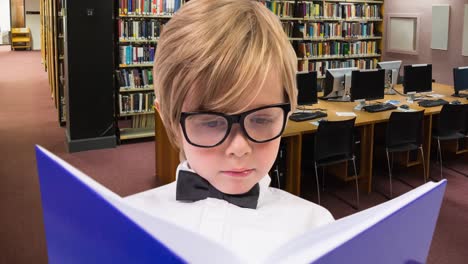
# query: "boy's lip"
242,172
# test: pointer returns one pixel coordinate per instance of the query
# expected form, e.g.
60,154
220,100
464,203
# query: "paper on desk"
393,102
436,95
345,114
315,123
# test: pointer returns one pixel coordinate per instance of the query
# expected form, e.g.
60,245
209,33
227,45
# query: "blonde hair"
212,52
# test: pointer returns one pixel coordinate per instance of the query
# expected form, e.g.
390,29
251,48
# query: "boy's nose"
238,143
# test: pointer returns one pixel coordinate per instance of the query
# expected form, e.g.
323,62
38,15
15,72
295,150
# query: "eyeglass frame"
235,119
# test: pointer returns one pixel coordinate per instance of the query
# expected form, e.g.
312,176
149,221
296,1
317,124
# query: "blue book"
176,5
87,223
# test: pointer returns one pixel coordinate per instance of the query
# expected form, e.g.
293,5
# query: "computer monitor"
417,78
307,88
460,81
392,70
367,85
338,83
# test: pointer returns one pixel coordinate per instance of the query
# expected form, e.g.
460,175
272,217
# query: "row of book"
136,102
136,121
328,29
143,121
149,7
360,10
130,54
321,66
335,48
322,9
358,29
134,78
140,29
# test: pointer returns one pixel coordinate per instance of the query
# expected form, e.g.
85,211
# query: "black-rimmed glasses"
210,129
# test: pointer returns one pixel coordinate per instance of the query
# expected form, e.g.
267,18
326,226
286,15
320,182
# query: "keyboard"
304,116
432,103
379,107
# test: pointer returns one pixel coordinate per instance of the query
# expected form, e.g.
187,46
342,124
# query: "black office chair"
466,120
451,126
404,133
334,144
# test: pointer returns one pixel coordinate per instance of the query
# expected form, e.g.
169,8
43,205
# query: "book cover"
87,223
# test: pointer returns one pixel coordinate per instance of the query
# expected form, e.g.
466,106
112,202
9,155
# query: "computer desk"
167,158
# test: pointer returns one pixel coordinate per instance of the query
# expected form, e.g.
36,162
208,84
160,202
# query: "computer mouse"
403,106
455,102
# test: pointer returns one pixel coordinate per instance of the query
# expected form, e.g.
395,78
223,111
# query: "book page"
315,244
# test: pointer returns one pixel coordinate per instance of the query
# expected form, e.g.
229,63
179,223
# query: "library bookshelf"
139,25
332,33
52,41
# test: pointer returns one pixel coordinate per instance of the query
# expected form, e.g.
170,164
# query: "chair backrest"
405,128
334,138
452,119
466,119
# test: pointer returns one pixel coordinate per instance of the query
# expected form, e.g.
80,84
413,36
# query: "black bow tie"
192,187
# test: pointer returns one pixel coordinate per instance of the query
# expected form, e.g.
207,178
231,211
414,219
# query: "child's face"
237,164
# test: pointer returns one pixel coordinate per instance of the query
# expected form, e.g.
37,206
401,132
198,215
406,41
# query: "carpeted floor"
28,117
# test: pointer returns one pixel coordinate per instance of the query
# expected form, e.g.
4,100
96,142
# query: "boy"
225,84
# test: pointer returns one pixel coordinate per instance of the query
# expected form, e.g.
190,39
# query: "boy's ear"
156,105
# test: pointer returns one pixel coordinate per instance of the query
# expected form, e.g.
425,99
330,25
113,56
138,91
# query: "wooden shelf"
129,90
356,1
136,65
364,1
20,38
136,113
339,38
340,57
126,41
333,19
135,133
146,16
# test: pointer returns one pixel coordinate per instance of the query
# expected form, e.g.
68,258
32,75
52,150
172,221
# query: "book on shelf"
306,49
87,223
139,29
323,9
135,103
321,66
149,7
134,78
130,54
143,121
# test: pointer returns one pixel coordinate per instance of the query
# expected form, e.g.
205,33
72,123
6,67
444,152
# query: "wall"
4,21
33,22
5,15
443,61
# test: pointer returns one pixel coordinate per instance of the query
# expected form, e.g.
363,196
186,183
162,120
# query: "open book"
87,223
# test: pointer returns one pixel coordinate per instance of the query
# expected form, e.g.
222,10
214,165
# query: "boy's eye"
207,121
261,121
212,124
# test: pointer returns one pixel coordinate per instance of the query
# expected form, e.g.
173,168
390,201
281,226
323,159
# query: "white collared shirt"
251,233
